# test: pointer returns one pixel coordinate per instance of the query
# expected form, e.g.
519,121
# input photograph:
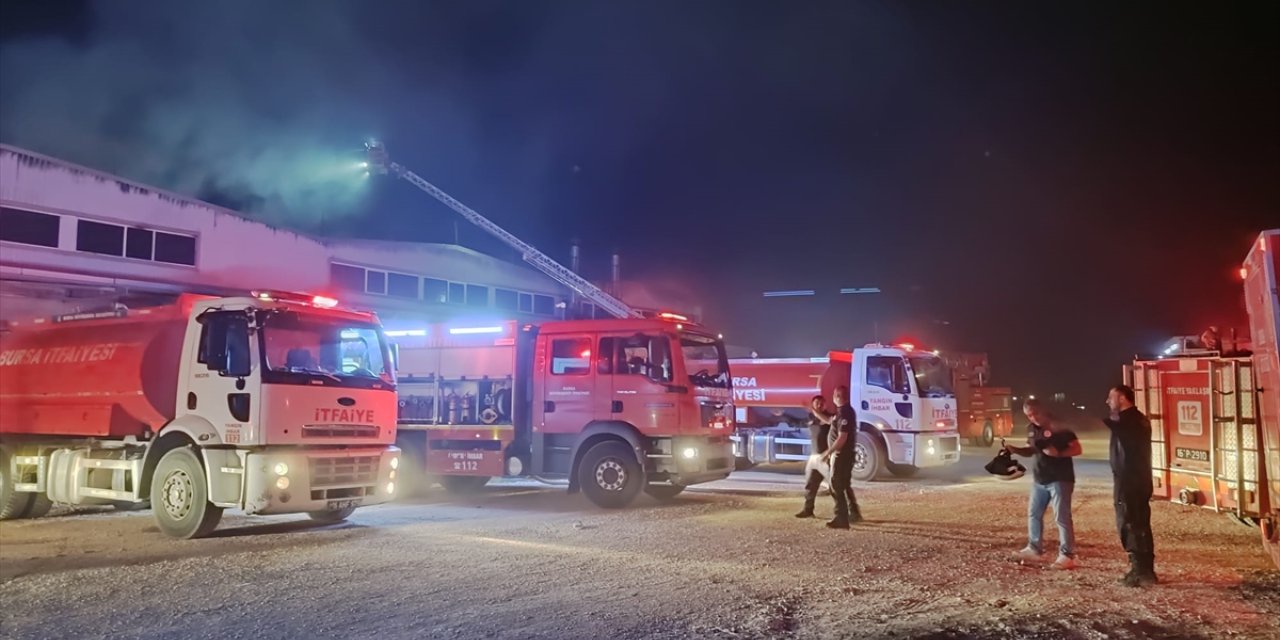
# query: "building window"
544,305
138,244
28,227
477,295
505,299
457,293
96,237
346,277
435,291
375,282
526,303
175,249
571,357
402,285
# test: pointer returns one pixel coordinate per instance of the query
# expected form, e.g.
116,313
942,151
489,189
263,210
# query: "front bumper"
318,480
690,460
936,449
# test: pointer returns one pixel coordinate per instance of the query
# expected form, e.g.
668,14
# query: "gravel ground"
730,562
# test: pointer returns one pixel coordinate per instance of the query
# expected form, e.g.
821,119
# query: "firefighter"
819,426
1131,470
1052,446
840,445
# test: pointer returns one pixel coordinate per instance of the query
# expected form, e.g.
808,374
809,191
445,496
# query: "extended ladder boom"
379,161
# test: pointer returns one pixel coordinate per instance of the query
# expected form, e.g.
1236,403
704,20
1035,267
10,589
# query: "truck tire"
332,517
869,456
663,491
609,475
988,435
179,497
1271,544
13,504
742,464
902,470
463,485
39,507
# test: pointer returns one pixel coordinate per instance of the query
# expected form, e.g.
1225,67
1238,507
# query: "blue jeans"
1059,495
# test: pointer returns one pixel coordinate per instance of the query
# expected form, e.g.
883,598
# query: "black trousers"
842,485
811,487
1133,520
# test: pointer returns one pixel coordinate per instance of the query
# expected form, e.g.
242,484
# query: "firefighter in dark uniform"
840,451
1131,470
819,425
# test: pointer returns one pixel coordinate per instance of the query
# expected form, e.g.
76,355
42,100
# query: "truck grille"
339,431
949,445
332,472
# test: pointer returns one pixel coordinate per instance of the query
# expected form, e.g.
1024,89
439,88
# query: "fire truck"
906,406
614,406
985,413
1215,410
269,404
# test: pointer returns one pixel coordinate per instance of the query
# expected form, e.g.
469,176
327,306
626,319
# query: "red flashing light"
586,353
1244,273
908,347
672,316
324,302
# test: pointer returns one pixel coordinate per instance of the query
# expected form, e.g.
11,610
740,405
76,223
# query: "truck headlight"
395,463
391,488
282,483
281,469
689,453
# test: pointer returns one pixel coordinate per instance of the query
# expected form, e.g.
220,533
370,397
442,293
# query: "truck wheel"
663,491
332,517
13,504
742,464
610,476
39,507
902,470
869,456
988,435
463,484
1271,544
179,497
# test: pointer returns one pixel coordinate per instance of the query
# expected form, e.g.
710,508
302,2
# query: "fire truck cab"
613,406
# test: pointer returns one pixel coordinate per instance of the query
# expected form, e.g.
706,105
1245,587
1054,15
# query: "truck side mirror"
224,345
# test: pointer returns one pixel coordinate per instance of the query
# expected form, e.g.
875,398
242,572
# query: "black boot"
1143,572
839,523
855,514
807,511
1128,577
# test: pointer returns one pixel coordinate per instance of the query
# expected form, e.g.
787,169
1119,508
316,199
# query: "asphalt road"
726,560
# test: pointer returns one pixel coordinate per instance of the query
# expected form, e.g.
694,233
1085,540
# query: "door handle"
616,407
548,407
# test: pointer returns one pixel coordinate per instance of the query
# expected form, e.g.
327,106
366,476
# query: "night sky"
1060,186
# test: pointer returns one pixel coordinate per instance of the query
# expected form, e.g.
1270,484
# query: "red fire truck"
904,399
1215,410
985,413
270,404
613,406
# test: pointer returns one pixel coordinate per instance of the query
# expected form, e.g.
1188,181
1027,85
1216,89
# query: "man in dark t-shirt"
1053,482
841,440
819,426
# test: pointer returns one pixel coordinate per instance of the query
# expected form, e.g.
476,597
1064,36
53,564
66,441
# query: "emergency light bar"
323,302
401,333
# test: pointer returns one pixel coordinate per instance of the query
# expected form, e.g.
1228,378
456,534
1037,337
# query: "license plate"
339,505
1198,455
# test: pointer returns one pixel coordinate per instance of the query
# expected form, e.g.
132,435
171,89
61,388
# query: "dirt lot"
525,562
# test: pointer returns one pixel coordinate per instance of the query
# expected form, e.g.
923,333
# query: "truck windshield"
705,361
297,348
933,376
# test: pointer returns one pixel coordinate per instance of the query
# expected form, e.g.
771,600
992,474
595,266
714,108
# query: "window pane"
887,372
477,296
571,357
401,285
505,299
544,305
96,237
346,277
375,282
28,227
457,292
435,290
138,244
526,303
175,249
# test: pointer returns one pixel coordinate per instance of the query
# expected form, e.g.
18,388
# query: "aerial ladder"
379,162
